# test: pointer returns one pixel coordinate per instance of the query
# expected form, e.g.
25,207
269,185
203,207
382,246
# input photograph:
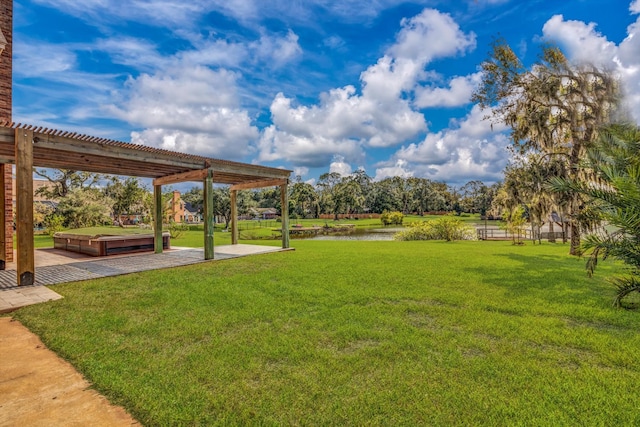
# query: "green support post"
234,217
157,218
284,210
208,215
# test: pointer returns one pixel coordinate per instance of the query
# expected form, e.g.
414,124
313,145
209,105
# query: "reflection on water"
362,234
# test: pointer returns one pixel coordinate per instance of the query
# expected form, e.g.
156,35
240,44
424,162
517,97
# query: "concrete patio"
54,266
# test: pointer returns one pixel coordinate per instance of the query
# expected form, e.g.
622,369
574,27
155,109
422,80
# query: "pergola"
29,146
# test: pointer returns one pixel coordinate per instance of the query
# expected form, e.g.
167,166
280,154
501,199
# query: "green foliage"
53,223
127,195
195,197
614,197
356,333
515,223
447,228
392,218
85,208
177,229
64,181
303,200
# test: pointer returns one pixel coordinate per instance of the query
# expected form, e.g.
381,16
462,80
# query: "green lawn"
357,333
248,230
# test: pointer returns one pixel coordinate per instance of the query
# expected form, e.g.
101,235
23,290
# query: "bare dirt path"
37,388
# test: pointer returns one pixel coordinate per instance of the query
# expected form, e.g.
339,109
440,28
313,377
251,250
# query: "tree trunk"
575,239
552,233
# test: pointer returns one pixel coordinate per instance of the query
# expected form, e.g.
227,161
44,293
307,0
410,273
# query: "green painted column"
157,218
284,211
208,215
234,217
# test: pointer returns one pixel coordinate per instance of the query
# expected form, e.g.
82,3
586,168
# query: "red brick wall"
6,25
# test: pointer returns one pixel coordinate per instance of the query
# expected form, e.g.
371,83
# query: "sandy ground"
37,388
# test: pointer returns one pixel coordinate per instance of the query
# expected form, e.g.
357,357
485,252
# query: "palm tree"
614,195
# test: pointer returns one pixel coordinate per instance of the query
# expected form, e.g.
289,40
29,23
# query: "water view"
363,233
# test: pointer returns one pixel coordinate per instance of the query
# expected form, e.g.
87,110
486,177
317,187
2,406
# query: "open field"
376,333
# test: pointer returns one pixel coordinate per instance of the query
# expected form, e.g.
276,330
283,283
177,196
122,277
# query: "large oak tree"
554,108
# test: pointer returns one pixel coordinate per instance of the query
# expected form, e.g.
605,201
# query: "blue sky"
309,85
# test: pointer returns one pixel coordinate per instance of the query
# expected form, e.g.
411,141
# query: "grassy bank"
392,333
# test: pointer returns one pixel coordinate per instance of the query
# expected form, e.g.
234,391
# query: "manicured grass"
39,241
357,333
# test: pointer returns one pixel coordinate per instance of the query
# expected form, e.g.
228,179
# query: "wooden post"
208,215
8,212
24,206
234,217
284,214
157,218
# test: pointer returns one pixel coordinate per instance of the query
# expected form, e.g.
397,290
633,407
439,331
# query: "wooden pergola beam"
259,184
96,149
197,175
251,170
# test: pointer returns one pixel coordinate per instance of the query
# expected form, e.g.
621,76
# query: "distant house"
264,213
180,211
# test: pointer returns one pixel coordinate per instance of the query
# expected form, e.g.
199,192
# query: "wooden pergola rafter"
29,146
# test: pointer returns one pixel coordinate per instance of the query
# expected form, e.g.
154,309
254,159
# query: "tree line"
86,199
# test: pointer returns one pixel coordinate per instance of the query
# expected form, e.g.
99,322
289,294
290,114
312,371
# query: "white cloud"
381,116
306,151
58,60
582,42
193,110
137,53
398,169
169,13
340,166
300,171
458,93
208,144
430,35
579,40
468,148
277,50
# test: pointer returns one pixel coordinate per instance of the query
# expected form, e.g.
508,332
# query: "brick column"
6,25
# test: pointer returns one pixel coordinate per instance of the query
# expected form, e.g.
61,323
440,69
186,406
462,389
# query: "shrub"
391,218
53,224
515,223
446,228
177,229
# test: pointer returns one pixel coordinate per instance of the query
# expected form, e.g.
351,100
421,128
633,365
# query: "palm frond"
625,286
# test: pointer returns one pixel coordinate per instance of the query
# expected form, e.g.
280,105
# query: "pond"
362,233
